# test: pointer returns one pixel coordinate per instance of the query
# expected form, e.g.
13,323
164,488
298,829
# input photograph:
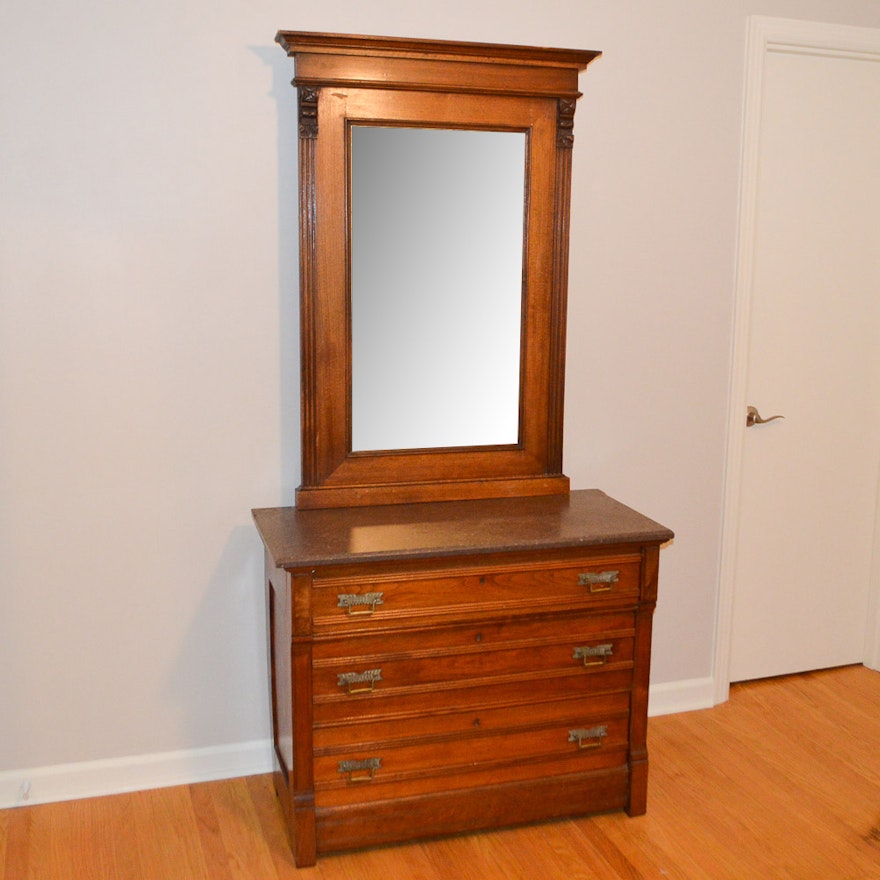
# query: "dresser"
451,666
457,641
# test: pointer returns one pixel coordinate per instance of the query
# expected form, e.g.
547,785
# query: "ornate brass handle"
359,603
360,771
596,655
588,737
359,682
598,581
753,417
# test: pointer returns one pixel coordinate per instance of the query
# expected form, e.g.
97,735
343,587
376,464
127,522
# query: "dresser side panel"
638,736
303,784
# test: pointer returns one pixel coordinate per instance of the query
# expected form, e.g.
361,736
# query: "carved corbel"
565,123
308,112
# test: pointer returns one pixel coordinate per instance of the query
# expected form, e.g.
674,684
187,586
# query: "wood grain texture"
781,782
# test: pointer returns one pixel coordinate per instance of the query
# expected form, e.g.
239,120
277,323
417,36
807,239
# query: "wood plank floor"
783,781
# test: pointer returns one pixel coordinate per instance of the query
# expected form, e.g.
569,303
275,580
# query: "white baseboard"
62,782
681,696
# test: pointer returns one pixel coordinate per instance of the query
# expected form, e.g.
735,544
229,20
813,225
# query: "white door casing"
770,41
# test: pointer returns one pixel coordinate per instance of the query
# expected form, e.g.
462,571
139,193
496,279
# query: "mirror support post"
308,134
559,299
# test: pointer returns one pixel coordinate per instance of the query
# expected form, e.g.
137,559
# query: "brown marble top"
586,517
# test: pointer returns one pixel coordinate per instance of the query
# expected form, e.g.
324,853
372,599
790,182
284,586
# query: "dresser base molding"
377,823
470,810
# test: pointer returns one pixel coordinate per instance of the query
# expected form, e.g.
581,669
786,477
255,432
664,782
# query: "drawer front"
454,720
443,667
590,765
485,635
414,704
579,744
355,603
437,671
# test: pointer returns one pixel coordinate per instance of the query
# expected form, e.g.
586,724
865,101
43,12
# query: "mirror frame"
359,80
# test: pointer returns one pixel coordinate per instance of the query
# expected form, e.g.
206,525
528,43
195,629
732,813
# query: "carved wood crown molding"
429,65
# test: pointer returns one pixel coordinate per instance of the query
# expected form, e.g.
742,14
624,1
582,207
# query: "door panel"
808,493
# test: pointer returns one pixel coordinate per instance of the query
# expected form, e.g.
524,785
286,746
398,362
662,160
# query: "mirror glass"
436,248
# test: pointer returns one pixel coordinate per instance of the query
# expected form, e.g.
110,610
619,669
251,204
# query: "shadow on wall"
228,631
227,635
285,97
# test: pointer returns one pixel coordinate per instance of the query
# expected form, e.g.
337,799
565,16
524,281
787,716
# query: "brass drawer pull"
360,771
588,737
598,581
596,655
360,603
359,682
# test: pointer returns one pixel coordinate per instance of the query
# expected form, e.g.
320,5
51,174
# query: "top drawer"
391,598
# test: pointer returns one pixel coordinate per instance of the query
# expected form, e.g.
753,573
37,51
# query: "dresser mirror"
434,202
435,340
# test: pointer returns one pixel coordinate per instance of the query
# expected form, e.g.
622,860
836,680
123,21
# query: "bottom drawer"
381,788
576,746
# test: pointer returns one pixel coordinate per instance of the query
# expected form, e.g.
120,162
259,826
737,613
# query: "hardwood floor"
783,781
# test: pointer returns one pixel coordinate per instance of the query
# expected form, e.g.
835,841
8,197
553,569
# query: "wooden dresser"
453,666
457,641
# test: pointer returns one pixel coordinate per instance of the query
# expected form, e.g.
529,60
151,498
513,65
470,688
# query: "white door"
802,535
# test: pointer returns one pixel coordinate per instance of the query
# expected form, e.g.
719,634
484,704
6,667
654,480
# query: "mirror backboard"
360,100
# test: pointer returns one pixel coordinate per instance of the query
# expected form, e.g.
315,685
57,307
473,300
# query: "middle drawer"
406,659
485,635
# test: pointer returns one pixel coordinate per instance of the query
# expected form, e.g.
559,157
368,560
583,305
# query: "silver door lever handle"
753,417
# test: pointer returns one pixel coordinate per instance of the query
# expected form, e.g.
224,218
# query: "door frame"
768,35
